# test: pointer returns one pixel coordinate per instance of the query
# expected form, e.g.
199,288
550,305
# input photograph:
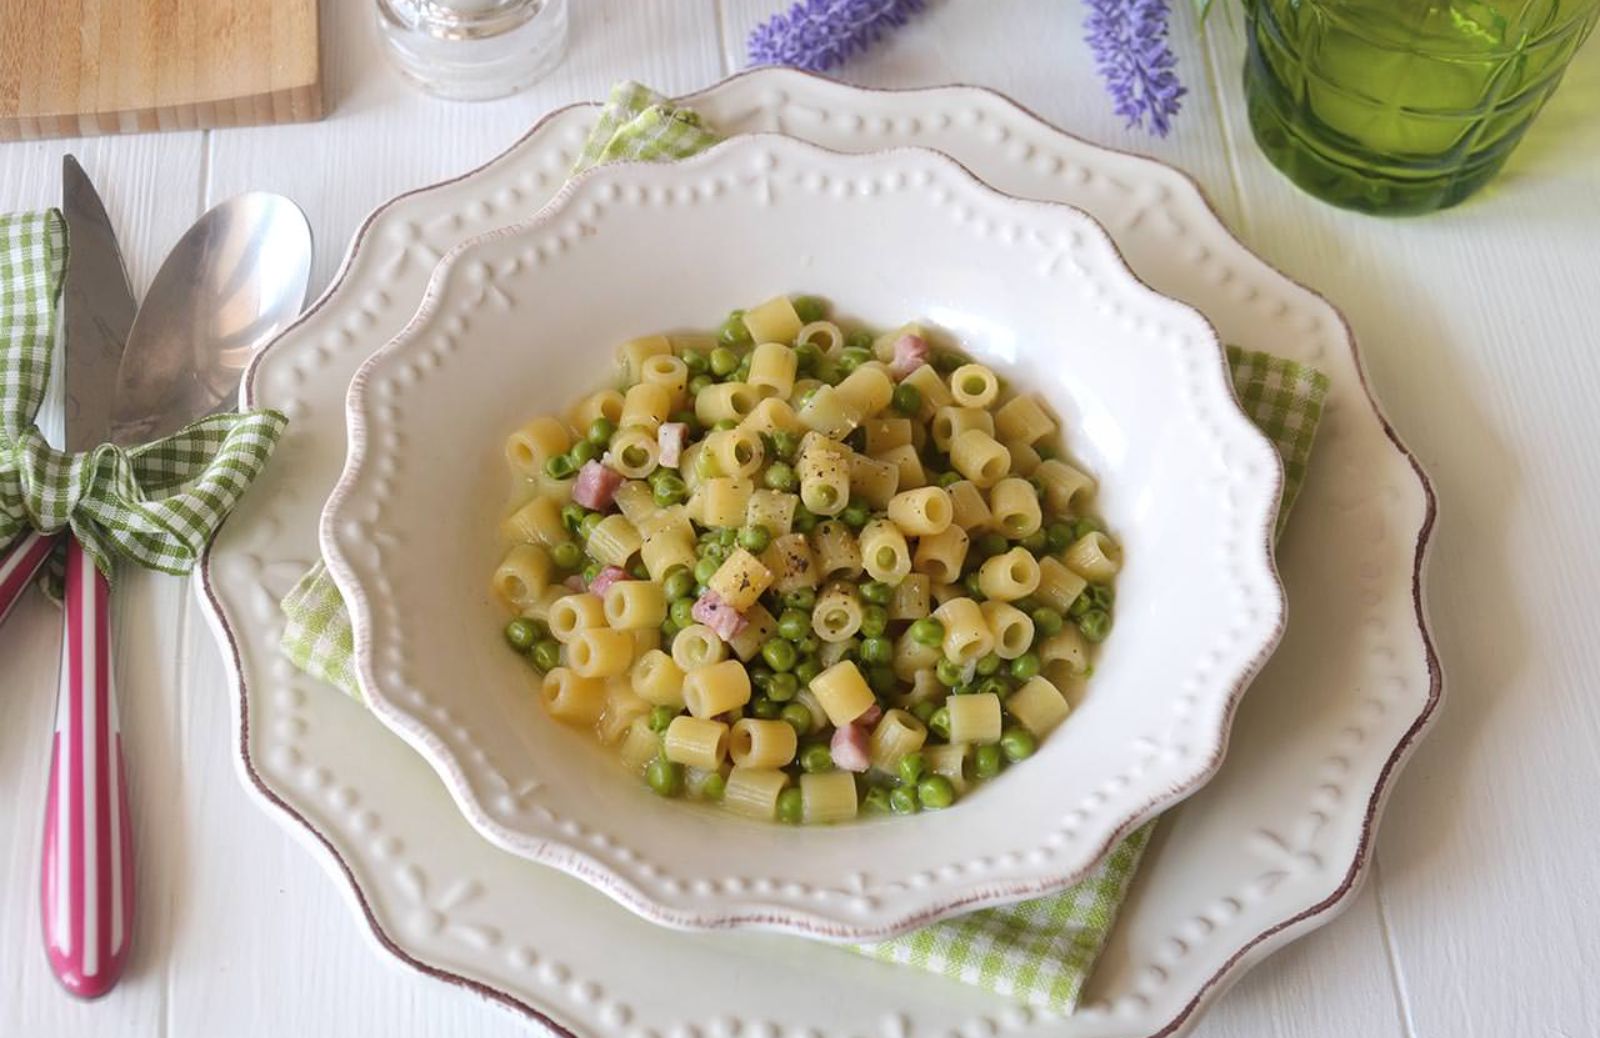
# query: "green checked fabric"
1039,952
155,504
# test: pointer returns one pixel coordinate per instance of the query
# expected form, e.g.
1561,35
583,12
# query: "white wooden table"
1479,330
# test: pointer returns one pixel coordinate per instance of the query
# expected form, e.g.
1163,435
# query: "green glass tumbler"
1402,106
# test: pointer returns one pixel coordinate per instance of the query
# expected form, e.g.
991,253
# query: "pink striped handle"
19,563
87,883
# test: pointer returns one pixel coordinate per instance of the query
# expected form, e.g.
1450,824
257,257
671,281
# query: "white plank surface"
1478,330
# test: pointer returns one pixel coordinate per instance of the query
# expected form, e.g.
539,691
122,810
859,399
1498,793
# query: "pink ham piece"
849,748
573,583
910,353
669,439
711,610
870,716
596,486
605,578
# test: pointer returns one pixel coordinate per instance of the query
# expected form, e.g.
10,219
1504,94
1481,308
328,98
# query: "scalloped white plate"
517,323
1274,845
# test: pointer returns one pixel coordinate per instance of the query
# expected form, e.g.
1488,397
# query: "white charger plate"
1270,849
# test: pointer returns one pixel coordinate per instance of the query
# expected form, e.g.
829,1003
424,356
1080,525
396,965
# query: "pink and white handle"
87,884
19,563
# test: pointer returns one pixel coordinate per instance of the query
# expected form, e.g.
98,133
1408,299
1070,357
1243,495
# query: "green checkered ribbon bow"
1040,951
155,504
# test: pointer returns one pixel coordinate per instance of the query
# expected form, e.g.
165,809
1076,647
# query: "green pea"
907,399
713,786
723,361
705,569
935,792
559,467
946,361
988,664
877,650
669,630
947,479
801,598
766,708
685,418
810,308
794,624
679,583
806,670
790,806
1017,743
903,801
723,425
991,544
927,631
1026,604
939,723
1095,625
858,339
665,777
590,571
816,758
923,709
1046,622
1036,542
808,644
760,676
572,515
874,621
755,538
639,571
806,357
581,452
1057,536
910,768
682,612
875,802
998,685
987,761
1080,605
783,687
876,592
1025,666
699,384
547,654
600,431
972,587
661,717
798,716
1101,595
521,634
852,357
786,444
949,672
733,331
779,476
779,653
1085,526
727,535
881,679
590,521
669,491
715,552
695,361
804,521
856,514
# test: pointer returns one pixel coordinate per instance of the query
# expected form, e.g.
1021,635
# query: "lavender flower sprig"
820,34
1129,40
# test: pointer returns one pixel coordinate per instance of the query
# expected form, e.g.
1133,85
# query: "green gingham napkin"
1039,952
155,504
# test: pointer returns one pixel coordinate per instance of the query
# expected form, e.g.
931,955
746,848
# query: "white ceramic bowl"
521,322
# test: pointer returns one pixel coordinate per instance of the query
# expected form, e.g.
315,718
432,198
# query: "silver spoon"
234,281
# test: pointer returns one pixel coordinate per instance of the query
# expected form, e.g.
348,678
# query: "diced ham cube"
849,748
605,578
596,486
870,716
670,439
910,353
711,610
573,583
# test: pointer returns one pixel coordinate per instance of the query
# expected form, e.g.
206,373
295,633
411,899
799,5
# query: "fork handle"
18,564
87,879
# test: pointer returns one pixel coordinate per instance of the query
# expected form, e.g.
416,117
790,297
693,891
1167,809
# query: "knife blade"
86,884
99,309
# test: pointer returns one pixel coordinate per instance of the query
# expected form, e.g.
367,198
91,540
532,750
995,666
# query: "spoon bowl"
233,282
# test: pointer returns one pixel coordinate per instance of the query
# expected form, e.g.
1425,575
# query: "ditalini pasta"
805,571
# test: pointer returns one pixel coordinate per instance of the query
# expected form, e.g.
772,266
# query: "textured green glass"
1402,106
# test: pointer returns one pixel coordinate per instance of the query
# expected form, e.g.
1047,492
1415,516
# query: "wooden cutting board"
75,67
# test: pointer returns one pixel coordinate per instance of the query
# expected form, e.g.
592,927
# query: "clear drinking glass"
474,50
1403,106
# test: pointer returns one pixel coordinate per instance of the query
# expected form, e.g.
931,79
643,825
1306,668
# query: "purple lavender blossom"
820,34
1129,40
